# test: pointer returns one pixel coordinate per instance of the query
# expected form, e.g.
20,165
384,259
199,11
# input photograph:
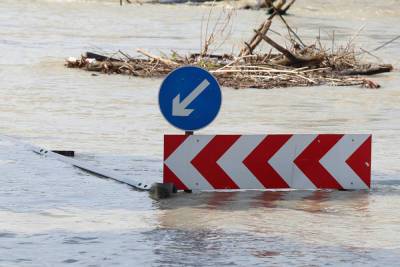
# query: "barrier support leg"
162,190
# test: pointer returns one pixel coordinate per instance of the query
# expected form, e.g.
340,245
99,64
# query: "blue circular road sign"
190,98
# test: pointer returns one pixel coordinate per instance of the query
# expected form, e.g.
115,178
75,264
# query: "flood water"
52,214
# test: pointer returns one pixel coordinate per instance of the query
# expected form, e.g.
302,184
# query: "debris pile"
298,65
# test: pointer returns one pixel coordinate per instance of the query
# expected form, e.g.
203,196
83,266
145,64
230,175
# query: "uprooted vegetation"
296,65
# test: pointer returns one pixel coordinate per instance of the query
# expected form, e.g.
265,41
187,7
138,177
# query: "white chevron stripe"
179,162
283,163
335,161
232,162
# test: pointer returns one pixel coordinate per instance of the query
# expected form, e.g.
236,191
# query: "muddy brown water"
52,214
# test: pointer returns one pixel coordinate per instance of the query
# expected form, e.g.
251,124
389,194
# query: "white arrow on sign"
179,108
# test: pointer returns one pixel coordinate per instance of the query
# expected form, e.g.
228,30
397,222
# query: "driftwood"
281,6
162,60
249,48
368,71
128,1
291,59
286,8
100,57
106,65
263,28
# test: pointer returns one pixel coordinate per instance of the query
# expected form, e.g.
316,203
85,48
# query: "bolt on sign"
277,161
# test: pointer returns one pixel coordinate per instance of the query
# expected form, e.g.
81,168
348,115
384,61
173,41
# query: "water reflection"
264,227
308,201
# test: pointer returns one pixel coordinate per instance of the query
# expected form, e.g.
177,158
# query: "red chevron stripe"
308,161
170,177
257,161
206,162
171,143
360,161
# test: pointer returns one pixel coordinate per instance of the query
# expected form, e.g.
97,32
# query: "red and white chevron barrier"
300,161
